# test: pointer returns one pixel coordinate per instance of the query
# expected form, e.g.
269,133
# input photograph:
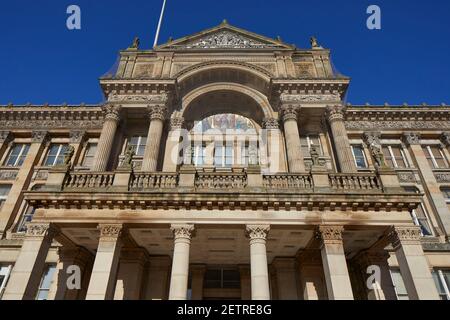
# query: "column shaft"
292,136
180,262
155,130
340,138
106,140
104,271
258,261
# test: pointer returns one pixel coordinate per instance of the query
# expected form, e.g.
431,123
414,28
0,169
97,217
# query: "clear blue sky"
407,61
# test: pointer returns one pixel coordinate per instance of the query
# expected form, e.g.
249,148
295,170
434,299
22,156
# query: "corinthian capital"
110,230
112,112
411,138
270,123
404,235
257,232
39,230
330,234
289,112
176,123
335,112
182,231
157,112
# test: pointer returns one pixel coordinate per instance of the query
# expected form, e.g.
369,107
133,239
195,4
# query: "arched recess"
220,98
223,71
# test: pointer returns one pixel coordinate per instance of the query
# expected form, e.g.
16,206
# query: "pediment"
224,36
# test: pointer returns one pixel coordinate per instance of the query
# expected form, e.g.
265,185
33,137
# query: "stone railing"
288,181
154,180
88,180
225,181
354,182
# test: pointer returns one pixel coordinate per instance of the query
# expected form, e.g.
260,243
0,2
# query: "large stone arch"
250,102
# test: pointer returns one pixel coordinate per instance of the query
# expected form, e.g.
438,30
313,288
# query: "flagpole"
159,24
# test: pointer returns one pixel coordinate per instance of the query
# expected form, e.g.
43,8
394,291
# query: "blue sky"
407,61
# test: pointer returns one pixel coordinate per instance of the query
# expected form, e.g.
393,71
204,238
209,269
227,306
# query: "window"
222,278
199,154
435,156
442,280
446,193
419,215
55,154
17,155
27,217
360,158
223,155
399,285
4,191
5,271
89,155
138,144
46,282
395,157
307,142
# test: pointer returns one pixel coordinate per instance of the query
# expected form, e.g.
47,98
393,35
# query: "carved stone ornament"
335,113
110,230
5,136
153,98
176,123
8,174
330,234
292,98
404,235
182,231
372,138
257,232
38,229
407,125
411,138
445,138
270,123
39,136
76,136
157,112
289,112
112,112
225,39
442,177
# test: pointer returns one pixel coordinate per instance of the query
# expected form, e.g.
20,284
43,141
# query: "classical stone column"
335,116
413,264
291,134
15,196
258,261
130,274
432,188
286,275
69,257
334,263
197,277
105,143
180,262
172,152
157,115
29,267
104,271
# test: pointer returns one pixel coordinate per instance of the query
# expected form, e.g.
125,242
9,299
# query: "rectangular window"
17,155
307,142
4,191
55,154
222,278
89,155
199,154
138,144
5,271
399,285
419,216
27,217
441,278
435,156
359,157
223,155
395,156
46,282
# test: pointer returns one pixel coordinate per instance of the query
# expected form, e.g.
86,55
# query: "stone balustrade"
88,180
288,181
222,181
355,182
153,180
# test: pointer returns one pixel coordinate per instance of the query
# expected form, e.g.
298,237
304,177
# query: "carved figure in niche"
377,155
68,155
128,159
314,152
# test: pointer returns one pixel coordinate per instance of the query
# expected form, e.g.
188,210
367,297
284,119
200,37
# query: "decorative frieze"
225,39
257,232
301,98
182,231
150,98
396,125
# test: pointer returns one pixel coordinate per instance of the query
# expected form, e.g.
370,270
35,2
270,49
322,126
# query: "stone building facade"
224,165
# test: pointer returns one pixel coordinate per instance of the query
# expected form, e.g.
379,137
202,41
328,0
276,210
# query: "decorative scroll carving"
153,98
182,231
77,136
330,234
257,232
335,113
112,112
8,174
110,230
442,177
157,112
270,123
386,125
406,177
225,39
404,235
292,98
176,123
38,229
445,138
411,138
39,136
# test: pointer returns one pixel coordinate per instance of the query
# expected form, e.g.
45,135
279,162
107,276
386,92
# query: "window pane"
46,282
360,160
4,190
400,288
90,154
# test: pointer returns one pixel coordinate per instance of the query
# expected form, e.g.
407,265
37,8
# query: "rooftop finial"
315,43
224,21
135,44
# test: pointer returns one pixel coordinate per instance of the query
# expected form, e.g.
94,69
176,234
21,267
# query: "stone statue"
377,155
128,159
68,155
136,43
314,152
314,43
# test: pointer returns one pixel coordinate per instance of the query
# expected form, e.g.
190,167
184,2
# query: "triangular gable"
224,36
